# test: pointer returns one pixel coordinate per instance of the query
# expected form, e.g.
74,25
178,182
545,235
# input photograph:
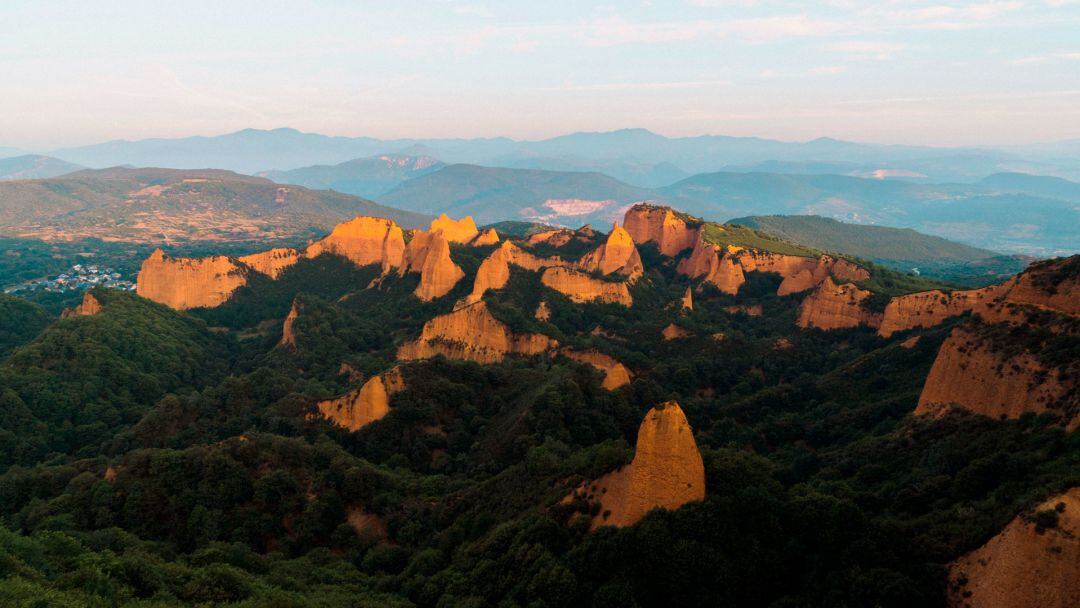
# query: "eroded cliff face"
272,262
659,225
688,299
487,237
714,265
1023,566
183,283
455,231
616,255
494,271
983,372
666,473
833,306
89,306
429,254
471,333
615,373
930,308
582,288
364,240
366,404
288,327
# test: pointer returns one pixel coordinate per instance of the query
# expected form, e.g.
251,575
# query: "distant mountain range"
636,156
169,205
366,177
34,166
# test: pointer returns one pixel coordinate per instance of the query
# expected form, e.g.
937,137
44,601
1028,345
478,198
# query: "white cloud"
1048,58
826,70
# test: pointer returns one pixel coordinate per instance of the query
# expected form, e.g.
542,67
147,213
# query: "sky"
939,73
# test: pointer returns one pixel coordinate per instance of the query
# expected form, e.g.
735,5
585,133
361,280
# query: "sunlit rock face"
1024,566
362,406
983,376
487,237
288,327
833,306
930,308
674,332
561,236
543,313
582,288
89,306
429,254
667,472
650,223
183,283
272,262
364,240
455,231
494,271
616,255
688,300
615,374
713,265
471,333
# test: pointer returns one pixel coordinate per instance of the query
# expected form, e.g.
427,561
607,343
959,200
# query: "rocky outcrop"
562,236
674,332
364,405
983,372
471,333
543,313
364,240
651,223
666,473
1024,566
89,306
429,254
930,308
615,373
714,265
616,255
833,306
688,300
183,283
582,288
487,237
494,271
455,231
288,327
273,262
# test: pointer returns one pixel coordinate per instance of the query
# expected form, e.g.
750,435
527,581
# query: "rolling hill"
367,177
34,166
167,205
493,194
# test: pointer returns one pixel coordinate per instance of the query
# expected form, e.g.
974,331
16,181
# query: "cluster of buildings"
78,278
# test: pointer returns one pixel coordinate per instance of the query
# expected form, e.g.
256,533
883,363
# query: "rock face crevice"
1024,566
362,406
471,333
183,283
666,473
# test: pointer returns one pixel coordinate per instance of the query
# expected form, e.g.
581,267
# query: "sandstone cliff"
364,240
930,308
429,254
833,306
272,262
487,237
582,288
472,333
713,265
89,306
183,283
455,231
494,271
1023,566
617,254
659,225
288,329
688,300
980,368
366,404
666,473
615,373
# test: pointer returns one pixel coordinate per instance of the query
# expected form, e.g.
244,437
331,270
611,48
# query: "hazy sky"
902,71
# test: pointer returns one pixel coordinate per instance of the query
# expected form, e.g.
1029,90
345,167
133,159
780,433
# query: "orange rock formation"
660,225
543,313
1024,567
429,254
688,300
366,404
674,332
183,283
288,329
472,333
273,262
89,306
714,265
666,473
833,306
364,240
459,231
930,308
582,288
971,373
486,237
615,373
616,255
